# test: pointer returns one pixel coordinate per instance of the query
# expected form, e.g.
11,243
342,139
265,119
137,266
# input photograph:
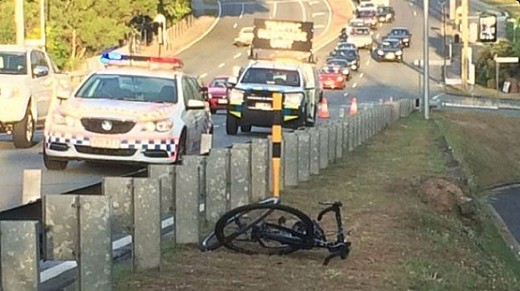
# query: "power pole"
465,44
20,22
42,24
426,59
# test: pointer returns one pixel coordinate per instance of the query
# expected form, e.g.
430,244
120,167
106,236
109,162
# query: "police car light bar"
113,58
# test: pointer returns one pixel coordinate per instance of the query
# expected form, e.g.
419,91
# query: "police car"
138,109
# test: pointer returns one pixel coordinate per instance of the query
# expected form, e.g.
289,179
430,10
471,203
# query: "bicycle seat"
331,203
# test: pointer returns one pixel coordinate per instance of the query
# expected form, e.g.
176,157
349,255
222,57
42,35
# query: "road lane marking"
361,75
415,13
411,4
205,33
313,2
354,86
221,65
367,62
329,17
235,25
304,13
275,6
319,26
242,12
203,75
333,38
237,56
316,14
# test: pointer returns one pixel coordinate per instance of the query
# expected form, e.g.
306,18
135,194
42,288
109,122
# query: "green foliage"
485,66
82,28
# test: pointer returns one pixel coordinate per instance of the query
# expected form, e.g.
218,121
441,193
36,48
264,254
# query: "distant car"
342,65
346,46
350,55
369,16
332,78
402,34
217,94
245,36
366,4
385,14
389,49
361,37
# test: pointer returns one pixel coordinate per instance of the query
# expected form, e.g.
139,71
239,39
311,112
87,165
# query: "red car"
217,94
332,78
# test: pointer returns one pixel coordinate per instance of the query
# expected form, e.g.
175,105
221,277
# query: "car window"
272,77
195,88
218,83
13,63
129,88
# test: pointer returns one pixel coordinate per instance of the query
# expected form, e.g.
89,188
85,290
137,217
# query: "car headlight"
210,96
339,79
63,120
159,126
380,52
406,39
398,53
346,72
9,92
293,99
236,95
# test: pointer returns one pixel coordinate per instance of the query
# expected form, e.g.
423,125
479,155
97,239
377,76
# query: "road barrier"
175,204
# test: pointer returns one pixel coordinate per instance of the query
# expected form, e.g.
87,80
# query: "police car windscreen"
13,63
129,88
271,77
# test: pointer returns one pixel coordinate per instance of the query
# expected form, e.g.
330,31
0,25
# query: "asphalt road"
506,203
215,55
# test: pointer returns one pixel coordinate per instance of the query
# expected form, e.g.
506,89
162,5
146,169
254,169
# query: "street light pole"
443,5
20,22
426,60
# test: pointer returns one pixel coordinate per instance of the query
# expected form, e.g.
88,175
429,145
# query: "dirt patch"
443,194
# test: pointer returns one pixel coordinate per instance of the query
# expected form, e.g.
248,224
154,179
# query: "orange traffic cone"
353,106
323,109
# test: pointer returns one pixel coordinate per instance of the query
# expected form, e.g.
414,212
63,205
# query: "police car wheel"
231,125
245,128
51,164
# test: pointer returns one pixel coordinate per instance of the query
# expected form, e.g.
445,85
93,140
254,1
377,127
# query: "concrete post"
304,157
346,129
32,184
324,146
351,133
259,169
166,175
339,140
187,204
332,142
200,161
314,153
240,175
217,184
290,157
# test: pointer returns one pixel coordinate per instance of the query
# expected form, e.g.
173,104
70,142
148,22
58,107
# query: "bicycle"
240,230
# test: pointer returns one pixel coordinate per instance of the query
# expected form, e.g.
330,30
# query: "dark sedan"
385,14
389,49
402,34
350,55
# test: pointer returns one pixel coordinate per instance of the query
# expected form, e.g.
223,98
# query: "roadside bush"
485,66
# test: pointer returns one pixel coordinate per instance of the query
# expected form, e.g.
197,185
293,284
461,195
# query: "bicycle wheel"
211,242
265,228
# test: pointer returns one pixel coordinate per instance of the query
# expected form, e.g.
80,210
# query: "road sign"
283,35
509,60
487,28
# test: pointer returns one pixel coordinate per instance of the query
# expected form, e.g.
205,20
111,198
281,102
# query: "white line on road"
329,17
316,14
237,56
304,13
354,86
319,26
313,2
203,75
368,62
437,96
275,6
242,12
411,4
235,25
221,65
361,75
415,13
377,35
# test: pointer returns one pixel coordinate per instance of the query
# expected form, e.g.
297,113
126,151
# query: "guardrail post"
147,224
32,184
332,142
166,175
345,124
324,146
187,204
366,116
95,243
314,153
351,133
290,157
358,129
259,169
200,162
282,165
20,255
339,140
240,175
60,219
304,157
217,183
121,191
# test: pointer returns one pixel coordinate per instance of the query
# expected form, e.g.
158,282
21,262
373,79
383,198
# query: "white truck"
361,37
29,81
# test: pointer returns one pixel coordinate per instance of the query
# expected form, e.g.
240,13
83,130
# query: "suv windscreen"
129,88
13,63
272,77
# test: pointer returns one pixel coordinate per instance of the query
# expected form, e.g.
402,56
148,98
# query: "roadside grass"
510,6
392,189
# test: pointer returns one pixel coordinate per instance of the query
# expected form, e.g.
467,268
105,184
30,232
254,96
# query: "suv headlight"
63,119
406,39
159,126
380,52
346,71
293,99
398,53
236,95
